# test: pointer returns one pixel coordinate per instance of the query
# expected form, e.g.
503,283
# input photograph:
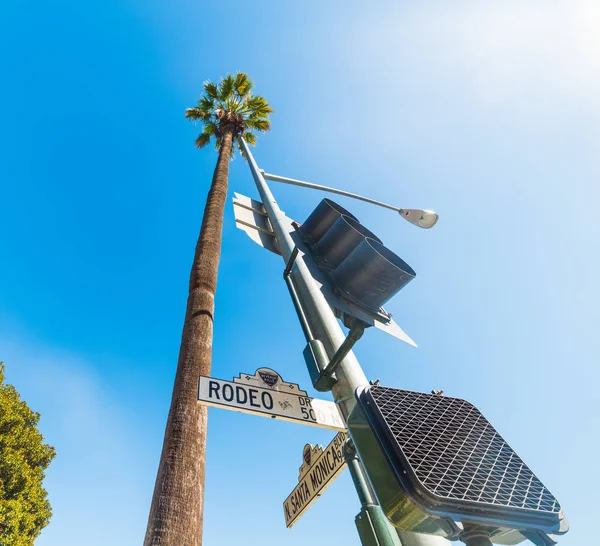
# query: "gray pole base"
475,536
373,528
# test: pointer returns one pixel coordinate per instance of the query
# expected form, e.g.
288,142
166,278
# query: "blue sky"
487,112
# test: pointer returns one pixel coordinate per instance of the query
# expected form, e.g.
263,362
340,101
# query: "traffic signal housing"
358,265
357,274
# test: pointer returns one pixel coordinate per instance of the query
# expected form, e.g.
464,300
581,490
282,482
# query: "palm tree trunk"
178,501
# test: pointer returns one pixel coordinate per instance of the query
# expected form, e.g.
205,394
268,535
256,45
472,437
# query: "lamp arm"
421,218
294,182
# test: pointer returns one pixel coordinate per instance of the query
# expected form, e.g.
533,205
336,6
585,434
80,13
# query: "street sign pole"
323,325
371,523
475,536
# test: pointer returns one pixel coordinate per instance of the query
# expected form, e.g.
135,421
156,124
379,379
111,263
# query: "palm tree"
227,111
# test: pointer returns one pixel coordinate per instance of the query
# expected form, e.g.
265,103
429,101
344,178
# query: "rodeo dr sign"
266,393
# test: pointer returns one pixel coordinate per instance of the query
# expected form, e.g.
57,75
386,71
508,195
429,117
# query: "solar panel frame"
491,485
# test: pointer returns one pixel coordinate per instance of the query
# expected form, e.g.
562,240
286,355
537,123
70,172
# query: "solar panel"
449,457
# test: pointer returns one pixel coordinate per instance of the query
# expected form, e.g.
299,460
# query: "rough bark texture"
178,501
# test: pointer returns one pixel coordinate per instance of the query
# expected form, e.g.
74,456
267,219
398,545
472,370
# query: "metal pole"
321,322
371,523
364,492
474,535
319,316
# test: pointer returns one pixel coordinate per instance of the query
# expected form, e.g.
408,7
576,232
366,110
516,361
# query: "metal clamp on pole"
290,263
356,332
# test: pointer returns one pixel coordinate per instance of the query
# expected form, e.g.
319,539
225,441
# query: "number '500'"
308,412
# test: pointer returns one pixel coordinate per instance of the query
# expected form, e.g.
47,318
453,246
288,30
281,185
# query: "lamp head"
422,218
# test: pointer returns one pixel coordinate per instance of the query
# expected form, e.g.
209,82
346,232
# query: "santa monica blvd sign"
319,469
266,394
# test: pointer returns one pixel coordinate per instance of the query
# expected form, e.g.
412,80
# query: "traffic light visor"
322,218
372,274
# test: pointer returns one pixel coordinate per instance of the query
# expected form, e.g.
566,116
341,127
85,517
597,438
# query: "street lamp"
418,217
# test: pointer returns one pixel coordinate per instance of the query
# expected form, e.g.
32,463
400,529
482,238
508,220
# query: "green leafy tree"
24,509
227,111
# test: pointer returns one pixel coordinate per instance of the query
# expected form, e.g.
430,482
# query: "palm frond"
250,138
243,84
211,128
232,104
257,103
257,114
258,124
207,104
202,140
211,90
196,114
226,87
193,113
263,110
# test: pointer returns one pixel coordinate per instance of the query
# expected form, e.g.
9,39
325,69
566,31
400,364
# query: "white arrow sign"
266,394
319,469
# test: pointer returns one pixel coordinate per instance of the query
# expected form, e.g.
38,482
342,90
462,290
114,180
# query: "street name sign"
319,468
265,393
